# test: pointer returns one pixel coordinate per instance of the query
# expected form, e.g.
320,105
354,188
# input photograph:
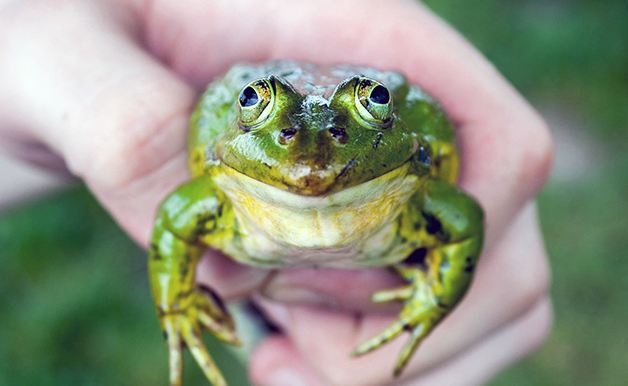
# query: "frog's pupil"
380,95
248,97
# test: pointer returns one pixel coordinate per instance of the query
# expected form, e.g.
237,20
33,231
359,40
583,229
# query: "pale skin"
107,87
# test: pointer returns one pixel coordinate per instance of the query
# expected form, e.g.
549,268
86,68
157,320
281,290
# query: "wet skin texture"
299,165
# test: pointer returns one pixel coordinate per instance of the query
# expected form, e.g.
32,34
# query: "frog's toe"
202,310
212,314
390,333
395,294
418,325
416,336
175,354
192,337
183,329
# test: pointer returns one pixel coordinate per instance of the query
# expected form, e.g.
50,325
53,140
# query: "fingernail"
285,377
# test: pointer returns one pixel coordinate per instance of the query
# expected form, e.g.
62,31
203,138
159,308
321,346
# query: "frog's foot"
202,309
419,316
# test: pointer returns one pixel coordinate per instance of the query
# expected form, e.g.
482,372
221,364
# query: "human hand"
108,87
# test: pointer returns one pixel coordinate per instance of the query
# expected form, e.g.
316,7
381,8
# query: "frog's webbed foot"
419,315
448,226
201,309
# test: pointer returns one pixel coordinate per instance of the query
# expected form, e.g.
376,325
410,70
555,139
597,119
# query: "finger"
504,289
505,144
278,362
233,280
74,77
339,289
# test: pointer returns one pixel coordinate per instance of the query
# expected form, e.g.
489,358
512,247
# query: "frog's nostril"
339,134
287,134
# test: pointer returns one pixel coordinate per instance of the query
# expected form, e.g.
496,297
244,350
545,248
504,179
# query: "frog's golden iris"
299,165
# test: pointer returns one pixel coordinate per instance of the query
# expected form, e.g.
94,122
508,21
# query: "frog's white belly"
277,227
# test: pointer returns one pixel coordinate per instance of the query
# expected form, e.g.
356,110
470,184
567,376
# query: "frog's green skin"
320,169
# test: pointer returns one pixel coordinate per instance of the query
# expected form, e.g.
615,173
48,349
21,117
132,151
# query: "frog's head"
311,143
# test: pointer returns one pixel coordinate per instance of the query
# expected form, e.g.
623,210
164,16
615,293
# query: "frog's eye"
373,101
255,103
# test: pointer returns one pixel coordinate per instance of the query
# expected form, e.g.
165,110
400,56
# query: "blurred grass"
571,51
74,301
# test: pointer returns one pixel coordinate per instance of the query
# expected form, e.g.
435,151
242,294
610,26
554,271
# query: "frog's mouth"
312,180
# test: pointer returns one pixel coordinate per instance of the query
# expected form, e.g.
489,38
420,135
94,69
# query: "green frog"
300,165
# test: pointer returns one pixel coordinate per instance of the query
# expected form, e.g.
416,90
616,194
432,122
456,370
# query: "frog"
298,164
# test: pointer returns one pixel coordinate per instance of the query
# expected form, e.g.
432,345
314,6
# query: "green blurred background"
74,301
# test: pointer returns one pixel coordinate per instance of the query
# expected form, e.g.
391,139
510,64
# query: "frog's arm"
448,227
192,212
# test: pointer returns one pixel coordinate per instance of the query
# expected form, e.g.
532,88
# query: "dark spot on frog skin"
214,296
416,258
346,168
470,265
433,226
378,139
205,224
154,252
443,306
184,266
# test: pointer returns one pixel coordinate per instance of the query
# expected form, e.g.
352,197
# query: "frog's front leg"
447,227
192,213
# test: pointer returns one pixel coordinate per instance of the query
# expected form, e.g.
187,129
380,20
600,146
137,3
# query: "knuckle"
531,285
537,157
540,325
